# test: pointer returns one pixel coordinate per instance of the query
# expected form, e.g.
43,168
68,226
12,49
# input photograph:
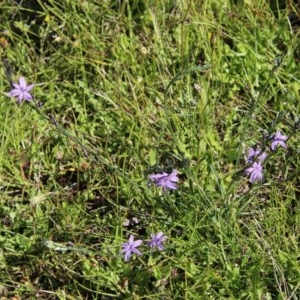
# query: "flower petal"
14,93
137,243
170,185
22,82
127,256
27,96
131,238
136,251
160,246
158,176
30,87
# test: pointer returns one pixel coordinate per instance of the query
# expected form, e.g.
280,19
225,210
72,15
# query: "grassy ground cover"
127,89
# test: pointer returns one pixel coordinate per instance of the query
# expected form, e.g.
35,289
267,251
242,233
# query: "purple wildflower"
21,90
156,240
255,172
278,139
131,247
165,180
256,155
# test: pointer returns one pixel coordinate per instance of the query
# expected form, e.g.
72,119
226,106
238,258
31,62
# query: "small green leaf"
152,157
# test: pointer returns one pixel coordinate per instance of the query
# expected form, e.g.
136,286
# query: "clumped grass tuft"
138,138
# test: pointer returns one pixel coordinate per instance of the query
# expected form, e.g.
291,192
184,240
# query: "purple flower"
156,240
278,139
165,180
255,172
256,154
131,247
21,90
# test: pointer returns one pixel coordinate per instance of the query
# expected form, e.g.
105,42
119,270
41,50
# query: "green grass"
135,88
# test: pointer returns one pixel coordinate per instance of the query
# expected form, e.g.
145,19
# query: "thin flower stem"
86,149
